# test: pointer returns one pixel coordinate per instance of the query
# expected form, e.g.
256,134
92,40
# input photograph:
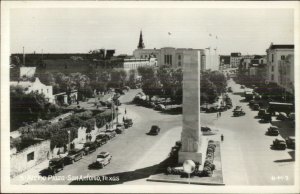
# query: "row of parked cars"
103,158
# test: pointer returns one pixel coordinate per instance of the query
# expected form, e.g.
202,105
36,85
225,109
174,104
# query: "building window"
272,68
179,57
179,63
272,77
282,57
30,156
272,58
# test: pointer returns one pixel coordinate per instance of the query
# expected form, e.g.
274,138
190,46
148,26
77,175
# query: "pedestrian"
125,111
217,115
123,119
222,137
220,114
106,126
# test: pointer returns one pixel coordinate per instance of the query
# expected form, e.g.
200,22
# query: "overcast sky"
80,30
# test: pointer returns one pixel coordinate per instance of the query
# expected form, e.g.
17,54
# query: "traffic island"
175,174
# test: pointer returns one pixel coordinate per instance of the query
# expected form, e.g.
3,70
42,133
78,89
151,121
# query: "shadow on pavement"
238,93
292,159
172,111
284,128
120,178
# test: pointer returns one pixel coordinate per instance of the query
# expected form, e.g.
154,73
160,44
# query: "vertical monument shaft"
191,132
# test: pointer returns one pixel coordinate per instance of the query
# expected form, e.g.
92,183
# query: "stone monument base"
195,156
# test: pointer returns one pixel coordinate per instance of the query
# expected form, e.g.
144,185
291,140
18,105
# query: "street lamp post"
117,109
69,140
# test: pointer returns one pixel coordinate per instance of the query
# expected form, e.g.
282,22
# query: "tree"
150,82
26,107
117,78
132,78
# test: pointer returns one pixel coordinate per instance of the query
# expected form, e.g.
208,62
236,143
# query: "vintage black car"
56,164
101,139
128,123
273,131
89,147
290,142
120,128
255,106
74,155
279,144
154,130
267,118
261,113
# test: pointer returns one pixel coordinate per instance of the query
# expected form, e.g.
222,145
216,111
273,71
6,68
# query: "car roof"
103,153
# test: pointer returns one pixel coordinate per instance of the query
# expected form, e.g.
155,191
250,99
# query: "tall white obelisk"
191,135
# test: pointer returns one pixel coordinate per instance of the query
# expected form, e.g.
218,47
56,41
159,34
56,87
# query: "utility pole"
23,56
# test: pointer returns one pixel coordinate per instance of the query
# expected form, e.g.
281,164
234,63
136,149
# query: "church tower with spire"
141,42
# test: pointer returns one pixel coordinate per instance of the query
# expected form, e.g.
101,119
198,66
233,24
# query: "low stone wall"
29,157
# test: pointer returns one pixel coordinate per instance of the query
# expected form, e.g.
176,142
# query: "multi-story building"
224,62
286,73
276,58
170,56
235,59
133,63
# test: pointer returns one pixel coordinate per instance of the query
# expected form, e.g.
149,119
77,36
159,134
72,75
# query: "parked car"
101,139
279,144
229,89
282,116
212,109
120,128
154,130
128,123
291,116
261,113
160,107
237,108
103,159
238,113
207,131
273,131
251,103
111,134
267,118
242,87
89,147
74,155
56,164
290,142
228,106
119,91
222,108
255,106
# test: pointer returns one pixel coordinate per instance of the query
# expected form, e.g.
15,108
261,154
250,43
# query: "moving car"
154,130
273,130
74,155
279,144
290,142
103,159
207,131
120,128
55,164
128,123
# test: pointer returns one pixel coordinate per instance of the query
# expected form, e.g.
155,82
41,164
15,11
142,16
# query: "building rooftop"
281,46
235,54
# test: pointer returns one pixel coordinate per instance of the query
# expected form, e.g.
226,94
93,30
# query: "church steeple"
141,42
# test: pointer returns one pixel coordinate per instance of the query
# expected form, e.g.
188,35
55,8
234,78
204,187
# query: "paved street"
246,155
135,154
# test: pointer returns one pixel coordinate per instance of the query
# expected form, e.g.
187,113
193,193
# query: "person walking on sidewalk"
222,137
